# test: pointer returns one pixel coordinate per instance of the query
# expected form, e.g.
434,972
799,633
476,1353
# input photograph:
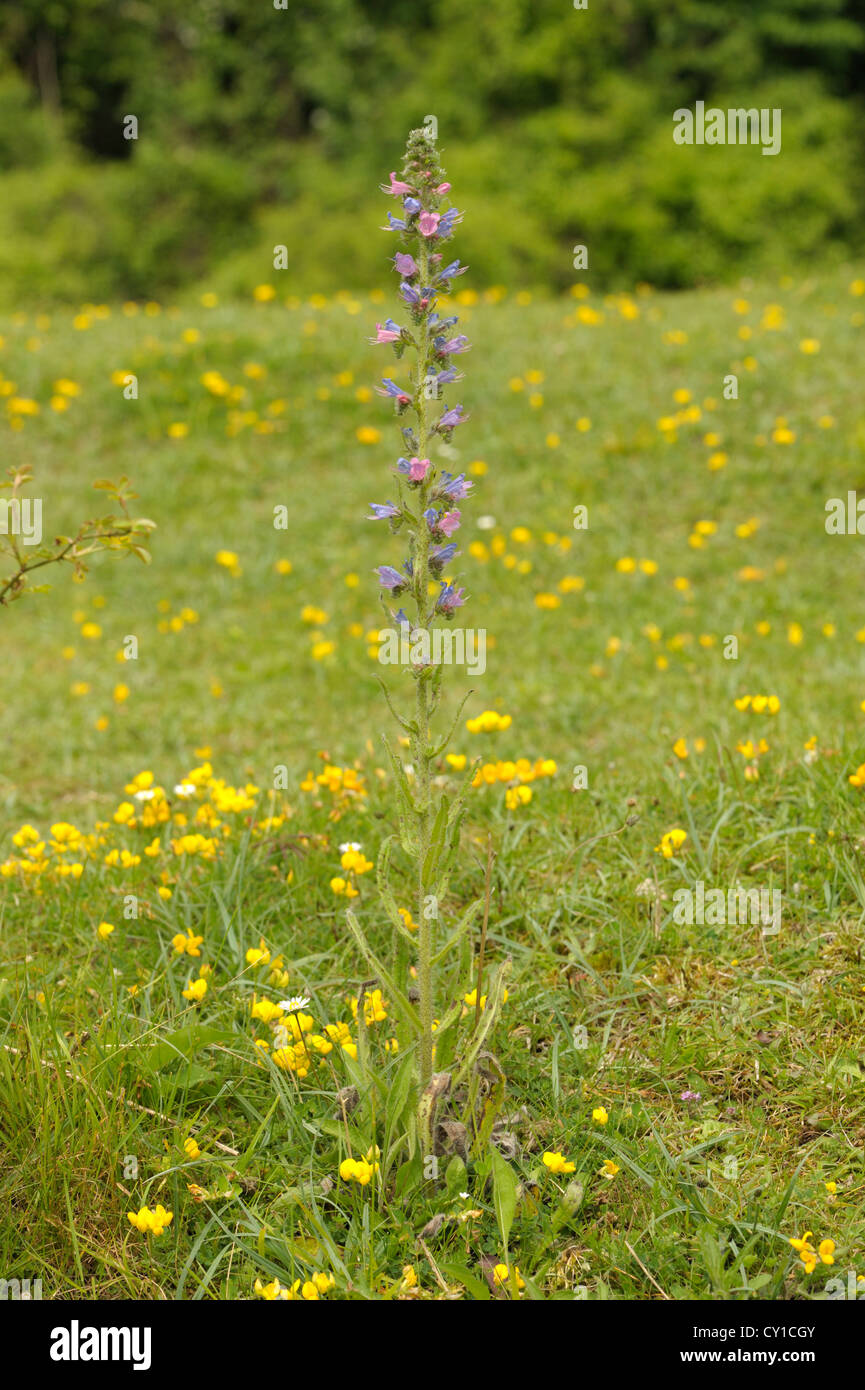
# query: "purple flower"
450,419
691,1097
455,487
449,347
401,618
382,512
405,264
450,599
411,205
436,322
441,555
451,271
396,224
389,578
450,374
391,389
416,299
448,222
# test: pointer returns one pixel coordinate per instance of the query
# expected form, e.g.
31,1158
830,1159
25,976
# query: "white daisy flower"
294,1004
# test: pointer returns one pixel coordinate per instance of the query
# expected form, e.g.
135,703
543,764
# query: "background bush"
260,126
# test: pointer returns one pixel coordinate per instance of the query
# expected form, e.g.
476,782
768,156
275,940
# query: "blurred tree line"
259,125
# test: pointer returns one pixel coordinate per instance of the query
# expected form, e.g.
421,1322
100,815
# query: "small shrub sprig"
426,514
18,562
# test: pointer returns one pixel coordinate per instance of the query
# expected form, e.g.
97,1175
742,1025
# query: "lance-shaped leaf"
408,724
436,1089
407,810
504,1194
459,930
488,1019
494,1101
387,897
436,752
437,839
400,1001
457,810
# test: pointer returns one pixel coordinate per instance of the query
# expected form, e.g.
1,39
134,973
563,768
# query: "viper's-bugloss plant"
425,515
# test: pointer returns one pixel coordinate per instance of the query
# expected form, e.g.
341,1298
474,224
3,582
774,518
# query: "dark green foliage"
259,125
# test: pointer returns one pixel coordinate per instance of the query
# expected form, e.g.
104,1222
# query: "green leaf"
180,1046
193,1074
384,891
397,998
436,840
450,733
493,1104
459,1274
488,1019
504,1194
407,724
400,1093
409,1175
455,1176
710,1251
461,928
407,811
446,1034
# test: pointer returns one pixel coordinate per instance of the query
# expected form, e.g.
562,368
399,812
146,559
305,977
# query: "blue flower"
450,419
452,270
455,487
382,512
389,578
441,555
436,322
450,598
448,222
449,347
450,374
391,389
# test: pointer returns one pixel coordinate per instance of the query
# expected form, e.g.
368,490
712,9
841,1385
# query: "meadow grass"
106,1068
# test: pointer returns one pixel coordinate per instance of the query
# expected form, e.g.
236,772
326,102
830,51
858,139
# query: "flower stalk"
426,514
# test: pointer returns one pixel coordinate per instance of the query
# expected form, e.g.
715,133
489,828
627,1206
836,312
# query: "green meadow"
703,433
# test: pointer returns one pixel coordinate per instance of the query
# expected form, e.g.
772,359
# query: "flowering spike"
425,508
